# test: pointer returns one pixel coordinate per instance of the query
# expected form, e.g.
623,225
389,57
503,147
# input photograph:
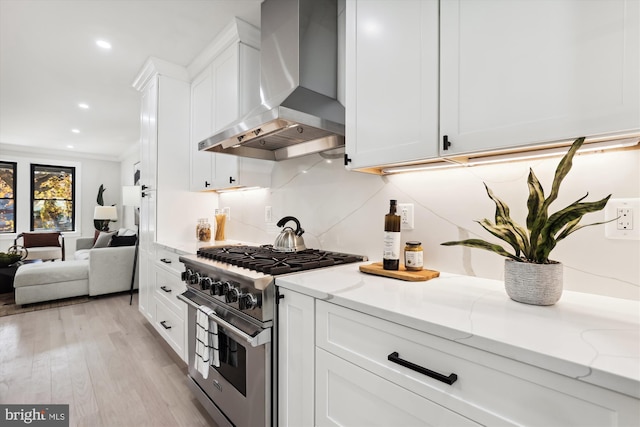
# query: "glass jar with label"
413,256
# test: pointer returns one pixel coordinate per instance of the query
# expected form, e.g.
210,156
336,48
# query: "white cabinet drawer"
167,286
169,259
489,389
347,395
171,326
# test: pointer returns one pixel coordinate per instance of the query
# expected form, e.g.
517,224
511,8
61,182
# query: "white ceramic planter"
537,284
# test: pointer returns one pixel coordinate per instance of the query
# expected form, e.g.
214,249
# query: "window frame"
32,199
14,166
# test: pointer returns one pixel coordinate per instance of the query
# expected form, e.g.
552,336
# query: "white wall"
129,159
90,173
343,211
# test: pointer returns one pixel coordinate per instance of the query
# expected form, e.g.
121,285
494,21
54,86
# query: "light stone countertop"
595,339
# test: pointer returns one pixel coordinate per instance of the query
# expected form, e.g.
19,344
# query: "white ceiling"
49,63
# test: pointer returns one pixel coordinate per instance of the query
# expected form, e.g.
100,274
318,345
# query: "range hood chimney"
299,113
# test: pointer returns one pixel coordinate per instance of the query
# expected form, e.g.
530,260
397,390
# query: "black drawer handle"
164,288
395,358
166,260
164,324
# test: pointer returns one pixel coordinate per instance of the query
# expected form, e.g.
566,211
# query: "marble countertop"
595,339
192,246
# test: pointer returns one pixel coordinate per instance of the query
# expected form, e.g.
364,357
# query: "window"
52,198
7,197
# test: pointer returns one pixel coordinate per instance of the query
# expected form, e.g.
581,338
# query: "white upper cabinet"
201,125
522,72
487,75
391,68
226,89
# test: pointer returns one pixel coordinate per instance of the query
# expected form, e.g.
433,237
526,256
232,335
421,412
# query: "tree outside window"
53,198
7,197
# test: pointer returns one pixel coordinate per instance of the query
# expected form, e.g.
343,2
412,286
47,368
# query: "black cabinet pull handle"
231,180
395,358
164,288
164,324
166,260
206,183
445,142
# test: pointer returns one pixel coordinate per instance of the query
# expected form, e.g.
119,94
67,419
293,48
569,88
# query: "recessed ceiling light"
83,106
69,146
103,44
75,130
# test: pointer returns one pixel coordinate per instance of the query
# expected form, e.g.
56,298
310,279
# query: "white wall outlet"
227,212
268,214
627,224
406,216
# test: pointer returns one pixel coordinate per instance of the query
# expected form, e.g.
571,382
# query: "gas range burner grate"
269,261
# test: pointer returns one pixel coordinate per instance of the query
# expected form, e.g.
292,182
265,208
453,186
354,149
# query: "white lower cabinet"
364,370
347,395
489,389
170,313
296,359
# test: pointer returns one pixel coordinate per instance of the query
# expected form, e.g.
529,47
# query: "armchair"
47,246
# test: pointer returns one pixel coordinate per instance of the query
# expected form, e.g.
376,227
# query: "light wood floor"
103,359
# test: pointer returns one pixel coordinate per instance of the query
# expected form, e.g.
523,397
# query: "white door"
521,72
296,359
391,81
201,128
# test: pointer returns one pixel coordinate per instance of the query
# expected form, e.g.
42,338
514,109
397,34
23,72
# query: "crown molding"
154,66
237,31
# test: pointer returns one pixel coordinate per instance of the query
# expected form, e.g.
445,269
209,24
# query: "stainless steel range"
235,286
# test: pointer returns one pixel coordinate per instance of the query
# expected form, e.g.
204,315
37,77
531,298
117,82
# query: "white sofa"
110,269
94,271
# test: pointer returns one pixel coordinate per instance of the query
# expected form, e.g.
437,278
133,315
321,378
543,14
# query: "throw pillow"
126,232
122,241
40,240
103,239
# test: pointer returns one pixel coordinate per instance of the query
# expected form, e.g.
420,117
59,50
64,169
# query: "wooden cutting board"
402,273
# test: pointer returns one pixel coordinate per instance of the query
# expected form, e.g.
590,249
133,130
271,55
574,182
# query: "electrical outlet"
624,213
268,214
406,216
227,212
625,218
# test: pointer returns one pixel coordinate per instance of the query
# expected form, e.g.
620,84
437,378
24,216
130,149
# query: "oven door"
240,387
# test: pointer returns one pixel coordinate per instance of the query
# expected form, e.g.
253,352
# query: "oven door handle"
260,339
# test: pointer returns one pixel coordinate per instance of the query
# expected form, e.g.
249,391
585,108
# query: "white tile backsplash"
343,211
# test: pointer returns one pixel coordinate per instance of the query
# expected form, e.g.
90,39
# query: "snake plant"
543,231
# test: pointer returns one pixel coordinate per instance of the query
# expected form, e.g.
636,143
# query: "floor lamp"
131,196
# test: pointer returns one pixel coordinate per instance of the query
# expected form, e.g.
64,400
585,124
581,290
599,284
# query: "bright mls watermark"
34,415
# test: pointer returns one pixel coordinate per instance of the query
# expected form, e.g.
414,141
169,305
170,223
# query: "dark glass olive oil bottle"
391,251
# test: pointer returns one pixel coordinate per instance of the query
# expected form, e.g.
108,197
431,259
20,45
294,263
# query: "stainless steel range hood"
299,113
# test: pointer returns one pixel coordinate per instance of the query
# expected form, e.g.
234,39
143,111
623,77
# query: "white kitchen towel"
203,343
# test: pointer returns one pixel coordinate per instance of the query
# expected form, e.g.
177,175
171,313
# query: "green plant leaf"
561,219
505,232
520,236
536,199
563,169
539,221
567,231
481,244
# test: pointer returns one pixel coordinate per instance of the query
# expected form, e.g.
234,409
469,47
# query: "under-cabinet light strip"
510,157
